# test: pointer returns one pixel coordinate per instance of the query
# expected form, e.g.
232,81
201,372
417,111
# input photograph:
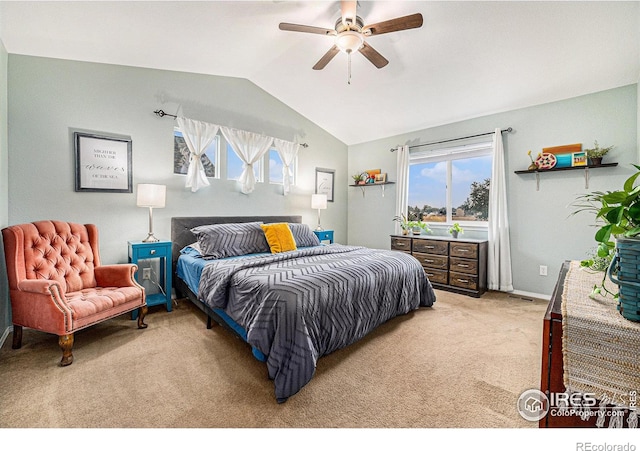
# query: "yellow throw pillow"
279,237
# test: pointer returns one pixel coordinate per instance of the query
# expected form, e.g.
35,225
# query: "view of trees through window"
459,187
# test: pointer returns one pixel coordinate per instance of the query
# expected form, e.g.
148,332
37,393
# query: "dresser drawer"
463,280
437,275
432,261
464,265
431,247
401,244
467,250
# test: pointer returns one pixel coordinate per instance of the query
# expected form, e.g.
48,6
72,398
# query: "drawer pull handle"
460,265
430,247
463,280
428,261
463,250
401,244
152,252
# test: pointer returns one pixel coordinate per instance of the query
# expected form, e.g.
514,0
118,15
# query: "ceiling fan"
350,34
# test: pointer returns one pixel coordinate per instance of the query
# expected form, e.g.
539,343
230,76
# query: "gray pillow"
230,240
303,235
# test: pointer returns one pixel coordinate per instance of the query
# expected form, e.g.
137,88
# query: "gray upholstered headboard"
181,235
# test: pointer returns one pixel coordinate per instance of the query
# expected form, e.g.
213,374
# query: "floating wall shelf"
367,185
570,168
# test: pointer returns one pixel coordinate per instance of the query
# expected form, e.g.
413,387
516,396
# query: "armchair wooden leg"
17,337
142,312
66,344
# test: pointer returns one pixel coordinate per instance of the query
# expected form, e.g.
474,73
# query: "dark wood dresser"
458,265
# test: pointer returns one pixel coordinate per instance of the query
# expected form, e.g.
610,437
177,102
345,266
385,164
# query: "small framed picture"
103,163
579,159
381,178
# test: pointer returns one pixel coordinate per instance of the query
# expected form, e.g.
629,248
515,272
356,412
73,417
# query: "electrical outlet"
146,273
543,270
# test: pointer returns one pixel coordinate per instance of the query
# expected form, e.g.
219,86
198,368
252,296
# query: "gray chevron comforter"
300,305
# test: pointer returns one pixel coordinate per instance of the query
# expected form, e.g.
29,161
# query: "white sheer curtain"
198,136
499,258
250,147
402,192
288,151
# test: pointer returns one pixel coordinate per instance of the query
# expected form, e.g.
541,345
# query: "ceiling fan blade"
333,51
306,29
372,55
397,24
348,11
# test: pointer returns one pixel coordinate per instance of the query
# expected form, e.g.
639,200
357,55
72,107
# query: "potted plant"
455,229
595,155
404,223
358,178
418,226
618,221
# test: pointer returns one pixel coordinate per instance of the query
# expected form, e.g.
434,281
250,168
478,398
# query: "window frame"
448,155
293,167
217,163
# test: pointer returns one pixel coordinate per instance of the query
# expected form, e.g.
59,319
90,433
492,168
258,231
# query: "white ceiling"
469,59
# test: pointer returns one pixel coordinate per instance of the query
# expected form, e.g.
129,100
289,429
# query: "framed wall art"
325,182
103,163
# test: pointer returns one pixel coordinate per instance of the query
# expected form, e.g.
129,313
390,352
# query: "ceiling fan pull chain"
349,73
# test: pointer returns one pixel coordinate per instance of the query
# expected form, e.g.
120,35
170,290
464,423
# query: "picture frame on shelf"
325,179
380,178
578,159
103,163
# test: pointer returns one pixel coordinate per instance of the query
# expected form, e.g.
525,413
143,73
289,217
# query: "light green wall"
542,230
4,192
49,97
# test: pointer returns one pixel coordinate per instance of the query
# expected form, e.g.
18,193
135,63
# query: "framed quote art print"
103,163
325,182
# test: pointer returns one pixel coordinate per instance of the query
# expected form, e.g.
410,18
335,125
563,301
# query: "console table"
580,328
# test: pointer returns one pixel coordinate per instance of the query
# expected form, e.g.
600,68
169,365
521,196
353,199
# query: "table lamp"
151,196
319,201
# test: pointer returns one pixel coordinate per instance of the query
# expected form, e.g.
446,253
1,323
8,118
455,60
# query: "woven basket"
624,271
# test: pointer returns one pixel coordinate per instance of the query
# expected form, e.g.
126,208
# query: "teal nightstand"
324,235
139,250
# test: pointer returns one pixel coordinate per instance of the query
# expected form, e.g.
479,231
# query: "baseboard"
5,334
527,296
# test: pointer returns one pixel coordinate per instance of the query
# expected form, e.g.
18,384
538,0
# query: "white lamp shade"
150,195
319,201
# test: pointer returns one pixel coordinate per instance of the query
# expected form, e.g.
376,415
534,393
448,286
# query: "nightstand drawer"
431,247
432,261
324,235
466,250
464,265
151,252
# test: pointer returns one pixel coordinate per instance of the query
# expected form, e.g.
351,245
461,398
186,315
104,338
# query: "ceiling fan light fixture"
349,41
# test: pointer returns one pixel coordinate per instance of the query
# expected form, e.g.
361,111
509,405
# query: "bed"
294,306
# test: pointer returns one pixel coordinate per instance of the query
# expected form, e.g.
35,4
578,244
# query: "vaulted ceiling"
468,59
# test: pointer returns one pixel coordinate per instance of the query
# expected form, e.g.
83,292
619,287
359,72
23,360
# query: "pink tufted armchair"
57,285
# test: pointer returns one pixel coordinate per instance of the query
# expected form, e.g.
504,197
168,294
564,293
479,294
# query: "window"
182,156
234,166
450,184
275,168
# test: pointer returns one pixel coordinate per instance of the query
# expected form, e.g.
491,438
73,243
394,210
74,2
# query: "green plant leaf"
615,215
615,197
603,234
628,184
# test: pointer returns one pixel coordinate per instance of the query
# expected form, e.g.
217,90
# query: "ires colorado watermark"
534,405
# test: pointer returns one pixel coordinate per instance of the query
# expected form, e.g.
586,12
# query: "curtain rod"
508,130
161,113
